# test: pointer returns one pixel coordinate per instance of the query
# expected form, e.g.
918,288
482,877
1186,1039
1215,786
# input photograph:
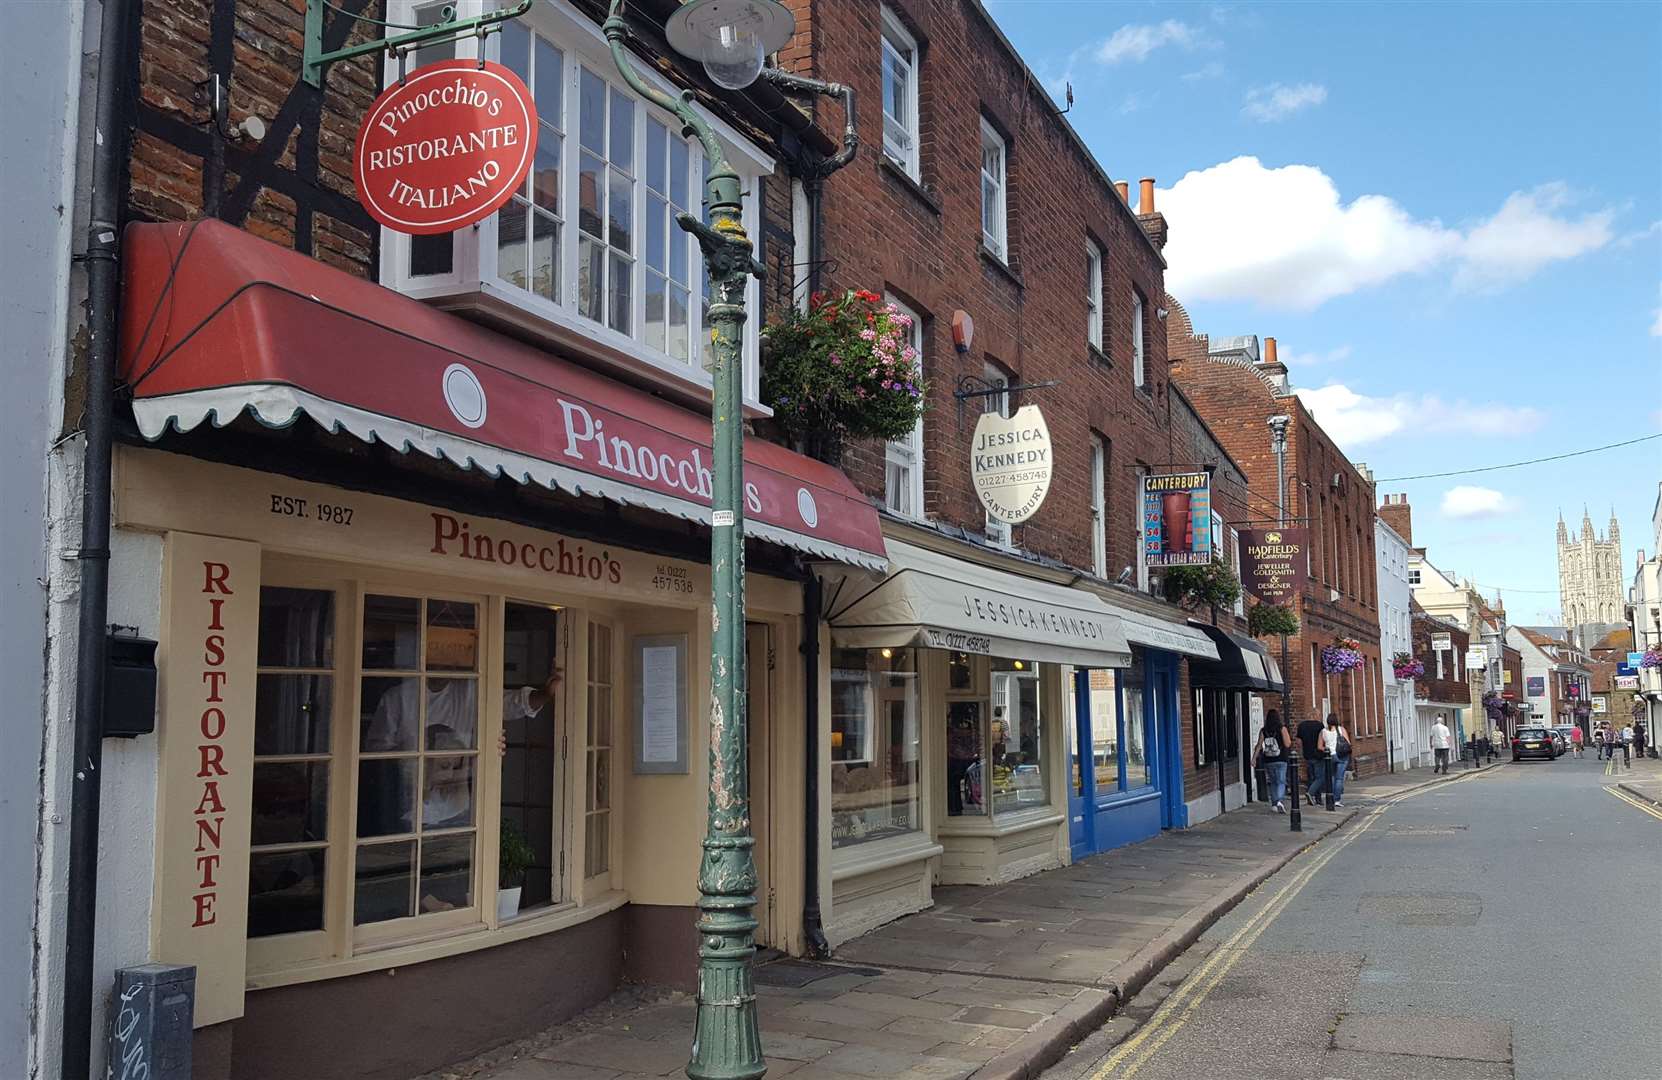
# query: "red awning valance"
216,322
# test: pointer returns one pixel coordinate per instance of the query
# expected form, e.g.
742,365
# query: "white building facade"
1405,743
1644,613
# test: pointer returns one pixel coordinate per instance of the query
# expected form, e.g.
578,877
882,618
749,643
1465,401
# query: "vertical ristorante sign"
1273,566
445,147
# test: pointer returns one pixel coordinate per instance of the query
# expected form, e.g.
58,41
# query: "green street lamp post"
731,38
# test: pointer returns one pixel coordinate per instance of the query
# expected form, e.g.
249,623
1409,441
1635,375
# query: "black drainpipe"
109,142
813,172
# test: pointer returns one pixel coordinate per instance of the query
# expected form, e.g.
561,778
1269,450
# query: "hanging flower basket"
1268,620
1652,658
844,369
1405,667
1342,656
1213,585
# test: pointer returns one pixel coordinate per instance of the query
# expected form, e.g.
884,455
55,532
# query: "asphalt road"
1473,930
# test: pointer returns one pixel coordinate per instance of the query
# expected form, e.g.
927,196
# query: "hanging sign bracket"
448,28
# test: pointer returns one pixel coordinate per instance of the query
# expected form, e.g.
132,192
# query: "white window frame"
473,277
1139,370
998,532
1099,506
1093,293
994,232
1235,544
900,47
906,497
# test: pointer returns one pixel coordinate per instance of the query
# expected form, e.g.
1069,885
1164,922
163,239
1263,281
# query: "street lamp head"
730,37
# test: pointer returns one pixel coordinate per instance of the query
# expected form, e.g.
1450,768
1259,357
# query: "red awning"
216,321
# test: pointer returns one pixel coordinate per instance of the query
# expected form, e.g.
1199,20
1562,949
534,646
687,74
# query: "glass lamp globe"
730,37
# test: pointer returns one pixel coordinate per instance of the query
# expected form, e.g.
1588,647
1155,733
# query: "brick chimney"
1273,367
1152,221
1124,188
1396,513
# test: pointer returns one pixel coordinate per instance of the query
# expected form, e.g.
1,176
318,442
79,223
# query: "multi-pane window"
1139,374
992,190
668,245
293,728
900,95
1099,506
528,228
418,757
997,402
597,849
1093,294
903,457
605,202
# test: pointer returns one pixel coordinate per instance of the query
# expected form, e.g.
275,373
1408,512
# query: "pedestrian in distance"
1639,737
1575,740
1336,749
1310,743
1441,738
1271,753
1627,746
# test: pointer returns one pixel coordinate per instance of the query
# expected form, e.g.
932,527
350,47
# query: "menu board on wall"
661,704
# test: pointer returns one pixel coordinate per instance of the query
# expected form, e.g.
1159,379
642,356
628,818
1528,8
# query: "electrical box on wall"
129,688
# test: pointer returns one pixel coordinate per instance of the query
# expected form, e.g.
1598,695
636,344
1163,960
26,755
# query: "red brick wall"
922,243
1452,687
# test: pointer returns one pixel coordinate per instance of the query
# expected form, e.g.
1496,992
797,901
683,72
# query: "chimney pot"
1147,193
1124,188
1269,351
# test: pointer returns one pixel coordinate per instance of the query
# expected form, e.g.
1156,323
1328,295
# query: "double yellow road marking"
1637,804
1180,1007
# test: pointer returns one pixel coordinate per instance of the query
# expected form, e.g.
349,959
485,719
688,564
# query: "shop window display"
874,744
994,737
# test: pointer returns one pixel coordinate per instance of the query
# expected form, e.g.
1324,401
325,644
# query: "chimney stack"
1269,350
1124,188
1396,513
1152,221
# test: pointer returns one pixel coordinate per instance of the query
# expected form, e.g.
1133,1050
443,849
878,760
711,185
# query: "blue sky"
1449,216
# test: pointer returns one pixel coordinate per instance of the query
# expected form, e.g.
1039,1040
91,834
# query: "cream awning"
935,601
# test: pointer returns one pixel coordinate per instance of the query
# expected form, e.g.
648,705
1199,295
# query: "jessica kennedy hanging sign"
1010,463
445,147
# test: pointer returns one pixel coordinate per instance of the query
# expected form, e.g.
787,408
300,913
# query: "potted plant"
1405,667
514,857
1269,620
843,369
1213,585
1343,655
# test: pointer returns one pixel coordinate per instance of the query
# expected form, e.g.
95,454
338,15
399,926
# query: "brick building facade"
1236,391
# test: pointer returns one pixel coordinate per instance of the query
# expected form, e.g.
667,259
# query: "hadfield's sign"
1010,462
445,147
1273,563
1177,519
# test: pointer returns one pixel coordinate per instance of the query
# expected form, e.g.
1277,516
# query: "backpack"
1272,747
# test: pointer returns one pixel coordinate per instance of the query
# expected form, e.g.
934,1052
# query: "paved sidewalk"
1643,780
992,981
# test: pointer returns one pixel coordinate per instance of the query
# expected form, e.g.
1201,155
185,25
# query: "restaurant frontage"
433,695
984,723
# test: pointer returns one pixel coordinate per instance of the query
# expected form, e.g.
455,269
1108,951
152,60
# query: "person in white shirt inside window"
452,705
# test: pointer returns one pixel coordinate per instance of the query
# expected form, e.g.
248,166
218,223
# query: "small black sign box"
151,1010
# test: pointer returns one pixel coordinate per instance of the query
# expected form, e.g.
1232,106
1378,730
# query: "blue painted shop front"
1126,768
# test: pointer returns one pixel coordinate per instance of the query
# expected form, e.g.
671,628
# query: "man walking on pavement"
1440,738
1310,743
1639,734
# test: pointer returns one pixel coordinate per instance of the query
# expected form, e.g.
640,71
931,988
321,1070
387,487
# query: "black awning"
1242,664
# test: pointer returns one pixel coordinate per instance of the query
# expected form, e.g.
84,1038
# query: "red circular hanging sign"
445,147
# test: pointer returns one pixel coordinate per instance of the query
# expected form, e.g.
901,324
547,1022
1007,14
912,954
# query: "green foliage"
845,368
1213,585
1270,620
514,857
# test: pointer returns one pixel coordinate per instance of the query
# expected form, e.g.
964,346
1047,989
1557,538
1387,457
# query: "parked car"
1535,742
1566,741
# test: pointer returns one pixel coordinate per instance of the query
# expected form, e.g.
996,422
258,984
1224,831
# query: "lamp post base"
727,1040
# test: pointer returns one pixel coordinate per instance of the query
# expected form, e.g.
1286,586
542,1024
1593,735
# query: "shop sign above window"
1010,463
445,147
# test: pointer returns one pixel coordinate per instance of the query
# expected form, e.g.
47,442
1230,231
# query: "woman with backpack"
1336,745
1271,753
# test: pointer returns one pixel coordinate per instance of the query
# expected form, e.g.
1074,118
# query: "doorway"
758,666
533,730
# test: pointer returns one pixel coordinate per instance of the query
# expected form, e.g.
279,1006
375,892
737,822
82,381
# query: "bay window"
588,255
995,738
875,742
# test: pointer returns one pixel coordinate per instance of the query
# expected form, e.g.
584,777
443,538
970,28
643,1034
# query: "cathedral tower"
1589,573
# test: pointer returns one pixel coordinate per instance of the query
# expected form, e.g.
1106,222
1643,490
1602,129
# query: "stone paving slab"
940,996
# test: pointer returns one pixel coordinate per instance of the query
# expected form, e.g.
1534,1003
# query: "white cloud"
1277,101
1353,419
1283,237
1298,361
1209,71
1524,236
1135,101
1469,501
1135,41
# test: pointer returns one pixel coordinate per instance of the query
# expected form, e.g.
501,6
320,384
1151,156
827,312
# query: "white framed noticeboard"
660,668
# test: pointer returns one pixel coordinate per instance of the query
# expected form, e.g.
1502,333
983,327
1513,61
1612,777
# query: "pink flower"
868,334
